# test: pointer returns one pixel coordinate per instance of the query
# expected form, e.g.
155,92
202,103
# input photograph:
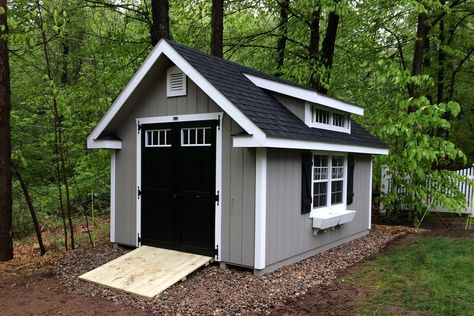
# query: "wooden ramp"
146,271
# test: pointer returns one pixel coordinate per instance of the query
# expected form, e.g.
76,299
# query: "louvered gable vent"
175,82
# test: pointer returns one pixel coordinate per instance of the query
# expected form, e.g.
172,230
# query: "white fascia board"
125,94
164,48
104,144
304,94
245,141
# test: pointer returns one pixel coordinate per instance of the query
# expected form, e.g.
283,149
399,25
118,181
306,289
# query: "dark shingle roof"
272,117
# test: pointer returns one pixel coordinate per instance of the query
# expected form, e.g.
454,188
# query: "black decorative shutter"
350,178
306,177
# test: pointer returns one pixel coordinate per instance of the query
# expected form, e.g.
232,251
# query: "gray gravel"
212,290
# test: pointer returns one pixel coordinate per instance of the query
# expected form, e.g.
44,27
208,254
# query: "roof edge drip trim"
271,142
304,94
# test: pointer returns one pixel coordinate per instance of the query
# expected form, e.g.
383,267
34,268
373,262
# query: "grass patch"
432,275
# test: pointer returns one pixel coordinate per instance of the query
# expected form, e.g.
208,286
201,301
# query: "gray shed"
215,158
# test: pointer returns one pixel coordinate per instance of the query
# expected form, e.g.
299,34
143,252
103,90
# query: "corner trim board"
260,207
370,191
112,196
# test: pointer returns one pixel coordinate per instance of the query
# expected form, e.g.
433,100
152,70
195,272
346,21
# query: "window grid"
157,138
321,116
195,136
328,187
338,120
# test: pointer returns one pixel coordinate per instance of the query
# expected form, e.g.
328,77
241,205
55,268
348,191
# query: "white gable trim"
107,144
249,141
165,48
304,94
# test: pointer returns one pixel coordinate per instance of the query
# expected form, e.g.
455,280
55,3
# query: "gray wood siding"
289,233
238,168
296,106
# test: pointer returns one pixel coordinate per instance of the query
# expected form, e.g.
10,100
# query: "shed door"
178,186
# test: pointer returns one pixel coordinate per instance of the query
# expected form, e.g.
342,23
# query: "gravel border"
212,290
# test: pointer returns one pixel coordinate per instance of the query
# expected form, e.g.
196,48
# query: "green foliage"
432,275
93,49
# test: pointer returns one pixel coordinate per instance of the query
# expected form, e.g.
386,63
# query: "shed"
214,158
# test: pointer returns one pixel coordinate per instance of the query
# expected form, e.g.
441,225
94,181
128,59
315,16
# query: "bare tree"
160,26
217,27
6,245
29,202
283,30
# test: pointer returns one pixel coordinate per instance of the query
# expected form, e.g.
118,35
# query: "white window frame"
329,207
165,130
309,119
204,144
175,93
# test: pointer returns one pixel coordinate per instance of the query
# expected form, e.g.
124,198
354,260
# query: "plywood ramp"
146,271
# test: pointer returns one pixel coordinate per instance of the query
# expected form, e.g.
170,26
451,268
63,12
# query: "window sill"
327,218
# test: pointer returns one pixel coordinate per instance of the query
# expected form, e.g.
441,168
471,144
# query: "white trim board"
249,141
112,196
304,94
260,207
166,49
187,118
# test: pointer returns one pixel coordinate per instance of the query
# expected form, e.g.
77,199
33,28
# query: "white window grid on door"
331,170
157,138
195,136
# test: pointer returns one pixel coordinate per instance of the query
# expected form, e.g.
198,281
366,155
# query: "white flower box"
329,218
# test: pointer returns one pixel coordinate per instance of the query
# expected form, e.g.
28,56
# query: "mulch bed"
212,290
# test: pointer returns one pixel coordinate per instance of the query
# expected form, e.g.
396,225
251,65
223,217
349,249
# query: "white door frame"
176,119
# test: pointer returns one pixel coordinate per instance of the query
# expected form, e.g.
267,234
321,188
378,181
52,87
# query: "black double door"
178,194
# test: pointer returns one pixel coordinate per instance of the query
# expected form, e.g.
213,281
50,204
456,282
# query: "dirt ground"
33,289
40,293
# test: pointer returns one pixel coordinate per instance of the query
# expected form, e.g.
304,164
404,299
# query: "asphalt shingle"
272,117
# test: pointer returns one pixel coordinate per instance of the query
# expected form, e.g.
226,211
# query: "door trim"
218,189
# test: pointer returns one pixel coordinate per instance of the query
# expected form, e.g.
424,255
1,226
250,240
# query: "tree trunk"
313,50
441,59
418,55
329,44
6,243
24,188
160,26
283,26
217,28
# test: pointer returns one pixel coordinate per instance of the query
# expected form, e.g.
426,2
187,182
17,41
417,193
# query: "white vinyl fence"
463,186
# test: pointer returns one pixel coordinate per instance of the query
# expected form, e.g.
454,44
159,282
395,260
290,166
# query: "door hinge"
217,197
216,252
139,239
139,127
139,192
219,123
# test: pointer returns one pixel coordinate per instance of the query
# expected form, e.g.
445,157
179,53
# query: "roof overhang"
272,142
304,94
164,48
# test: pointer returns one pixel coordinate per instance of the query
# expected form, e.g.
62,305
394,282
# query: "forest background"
408,63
